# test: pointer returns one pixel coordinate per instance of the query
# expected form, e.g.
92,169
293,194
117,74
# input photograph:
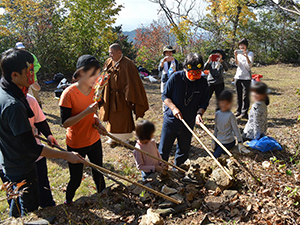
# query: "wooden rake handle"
206,149
139,150
106,171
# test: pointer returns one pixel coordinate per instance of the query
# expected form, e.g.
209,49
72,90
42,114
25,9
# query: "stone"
165,212
190,196
234,212
197,204
151,218
166,204
137,190
168,191
118,208
214,202
206,221
230,193
218,179
178,198
266,164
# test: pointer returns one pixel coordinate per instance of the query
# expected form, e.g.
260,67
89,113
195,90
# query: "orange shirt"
82,134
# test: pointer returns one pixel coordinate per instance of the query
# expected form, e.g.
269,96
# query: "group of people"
185,95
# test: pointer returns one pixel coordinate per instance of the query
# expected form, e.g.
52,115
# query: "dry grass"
283,111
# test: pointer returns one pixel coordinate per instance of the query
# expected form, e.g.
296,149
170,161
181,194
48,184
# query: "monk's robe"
124,95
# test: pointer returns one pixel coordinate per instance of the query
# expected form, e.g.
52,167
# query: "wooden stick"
206,149
103,170
139,150
61,149
229,153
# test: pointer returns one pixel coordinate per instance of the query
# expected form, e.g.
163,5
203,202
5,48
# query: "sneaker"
68,203
237,114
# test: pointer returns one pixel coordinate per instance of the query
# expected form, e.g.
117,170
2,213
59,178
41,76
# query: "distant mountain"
131,34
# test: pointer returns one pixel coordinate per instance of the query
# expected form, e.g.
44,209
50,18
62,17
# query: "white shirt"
243,71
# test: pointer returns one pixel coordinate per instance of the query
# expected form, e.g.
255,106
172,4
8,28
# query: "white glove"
243,149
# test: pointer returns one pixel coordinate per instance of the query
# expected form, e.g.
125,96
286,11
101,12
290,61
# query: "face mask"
194,74
30,77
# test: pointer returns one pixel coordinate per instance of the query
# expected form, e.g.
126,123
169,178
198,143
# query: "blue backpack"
265,144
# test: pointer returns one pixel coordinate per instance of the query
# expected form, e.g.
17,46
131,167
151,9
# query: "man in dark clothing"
216,66
19,149
185,95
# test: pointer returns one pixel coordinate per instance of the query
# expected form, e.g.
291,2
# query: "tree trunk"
235,26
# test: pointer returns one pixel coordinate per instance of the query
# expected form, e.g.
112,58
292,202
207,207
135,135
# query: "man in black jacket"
19,149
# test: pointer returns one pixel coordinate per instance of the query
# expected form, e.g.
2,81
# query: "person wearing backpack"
244,61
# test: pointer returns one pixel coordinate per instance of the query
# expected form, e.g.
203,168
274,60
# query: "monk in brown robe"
123,95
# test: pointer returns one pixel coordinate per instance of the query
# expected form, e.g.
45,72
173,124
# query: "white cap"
19,45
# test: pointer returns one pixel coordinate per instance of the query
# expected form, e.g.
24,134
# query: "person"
19,149
78,114
167,66
226,126
257,124
215,77
35,87
244,61
123,95
186,97
144,133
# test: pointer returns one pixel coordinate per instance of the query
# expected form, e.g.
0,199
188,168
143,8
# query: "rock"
38,222
230,193
118,208
137,190
168,191
166,204
190,196
12,220
178,198
214,203
206,221
234,212
197,204
151,218
218,179
266,164
144,196
165,212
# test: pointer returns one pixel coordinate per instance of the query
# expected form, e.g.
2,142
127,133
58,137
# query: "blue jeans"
46,198
29,201
219,151
168,137
145,175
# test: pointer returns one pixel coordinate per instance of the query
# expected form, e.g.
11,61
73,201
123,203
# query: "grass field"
283,81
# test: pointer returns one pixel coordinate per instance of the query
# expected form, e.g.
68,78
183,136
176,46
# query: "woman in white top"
244,60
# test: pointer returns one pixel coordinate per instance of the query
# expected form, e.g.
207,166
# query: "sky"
135,13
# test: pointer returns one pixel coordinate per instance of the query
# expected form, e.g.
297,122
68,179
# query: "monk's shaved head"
115,51
116,47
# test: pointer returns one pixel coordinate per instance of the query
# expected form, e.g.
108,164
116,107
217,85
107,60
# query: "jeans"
243,95
29,200
219,151
217,89
46,198
94,153
145,175
168,137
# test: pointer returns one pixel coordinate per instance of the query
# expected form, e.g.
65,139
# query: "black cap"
84,60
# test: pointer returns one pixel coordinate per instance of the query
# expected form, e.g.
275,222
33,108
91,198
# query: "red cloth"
257,77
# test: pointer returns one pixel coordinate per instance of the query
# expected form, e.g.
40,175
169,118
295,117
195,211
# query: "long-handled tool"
229,153
103,170
206,149
139,150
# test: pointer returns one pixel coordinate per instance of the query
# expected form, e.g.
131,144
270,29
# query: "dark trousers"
94,153
168,137
145,175
217,89
219,151
46,198
29,200
243,95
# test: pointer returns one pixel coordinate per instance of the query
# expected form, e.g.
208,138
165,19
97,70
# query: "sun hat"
169,48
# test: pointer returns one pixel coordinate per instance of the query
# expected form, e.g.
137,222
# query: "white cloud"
1,11
135,13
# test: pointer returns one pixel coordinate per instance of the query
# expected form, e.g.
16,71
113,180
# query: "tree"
288,5
128,48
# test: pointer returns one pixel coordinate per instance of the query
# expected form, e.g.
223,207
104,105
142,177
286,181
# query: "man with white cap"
34,88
